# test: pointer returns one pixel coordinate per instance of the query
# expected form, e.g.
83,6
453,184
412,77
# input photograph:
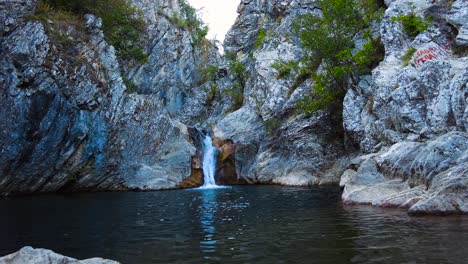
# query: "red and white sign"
429,52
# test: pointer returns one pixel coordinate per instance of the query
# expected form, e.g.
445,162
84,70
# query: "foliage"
57,23
329,43
240,73
189,20
236,93
408,55
413,24
260,38
230,56
209,73
284,68
131,86
211,91
121,24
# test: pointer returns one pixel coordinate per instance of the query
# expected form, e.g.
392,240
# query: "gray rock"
13,12
30,255
69,123
448,193
422,102
346,177
436,168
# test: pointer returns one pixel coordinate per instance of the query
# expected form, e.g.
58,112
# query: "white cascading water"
209,163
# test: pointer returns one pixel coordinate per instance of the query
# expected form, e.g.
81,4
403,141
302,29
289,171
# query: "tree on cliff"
332,59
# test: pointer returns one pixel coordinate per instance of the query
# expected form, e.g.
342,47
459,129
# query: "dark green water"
252,224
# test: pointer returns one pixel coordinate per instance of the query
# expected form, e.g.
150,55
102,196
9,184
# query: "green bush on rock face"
412,24
236,93
122,26
260,38
328,41
188,19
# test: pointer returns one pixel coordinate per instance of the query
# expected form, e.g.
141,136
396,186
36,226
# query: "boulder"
31,255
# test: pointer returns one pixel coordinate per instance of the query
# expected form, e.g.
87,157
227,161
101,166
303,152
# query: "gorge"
85,110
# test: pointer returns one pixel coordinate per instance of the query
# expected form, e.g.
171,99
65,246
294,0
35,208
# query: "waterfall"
209,163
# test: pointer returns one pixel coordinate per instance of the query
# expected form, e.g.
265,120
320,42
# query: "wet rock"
402,199
39,256
369,194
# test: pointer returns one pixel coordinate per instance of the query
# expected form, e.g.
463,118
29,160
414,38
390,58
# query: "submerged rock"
31,255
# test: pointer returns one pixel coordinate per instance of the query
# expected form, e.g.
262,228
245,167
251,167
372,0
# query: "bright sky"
219,15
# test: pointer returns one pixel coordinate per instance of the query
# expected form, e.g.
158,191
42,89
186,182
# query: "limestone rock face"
69,123
40,256
422,100
13,12
413,117
272,145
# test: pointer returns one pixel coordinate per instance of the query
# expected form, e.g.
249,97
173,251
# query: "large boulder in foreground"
44,256
425,178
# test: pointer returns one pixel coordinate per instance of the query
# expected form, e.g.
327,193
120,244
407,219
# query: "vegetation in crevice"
332,59
260,38
406,58
122,24
236,93
188,19
412,24
131,86
209,75
284,69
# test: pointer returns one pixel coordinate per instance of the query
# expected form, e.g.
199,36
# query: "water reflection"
250,224
206,216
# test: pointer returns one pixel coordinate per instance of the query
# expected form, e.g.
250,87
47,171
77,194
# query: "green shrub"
260,38
412,24
329,43
131,86
236,93
240,73
189,20
230,56
284,68
211,91
407,56
208,73
121,22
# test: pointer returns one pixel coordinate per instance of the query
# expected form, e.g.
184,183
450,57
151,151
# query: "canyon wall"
72,123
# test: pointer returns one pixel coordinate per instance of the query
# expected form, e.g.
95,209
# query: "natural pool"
249,224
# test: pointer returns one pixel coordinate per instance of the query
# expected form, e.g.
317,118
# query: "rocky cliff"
413,116
71,123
